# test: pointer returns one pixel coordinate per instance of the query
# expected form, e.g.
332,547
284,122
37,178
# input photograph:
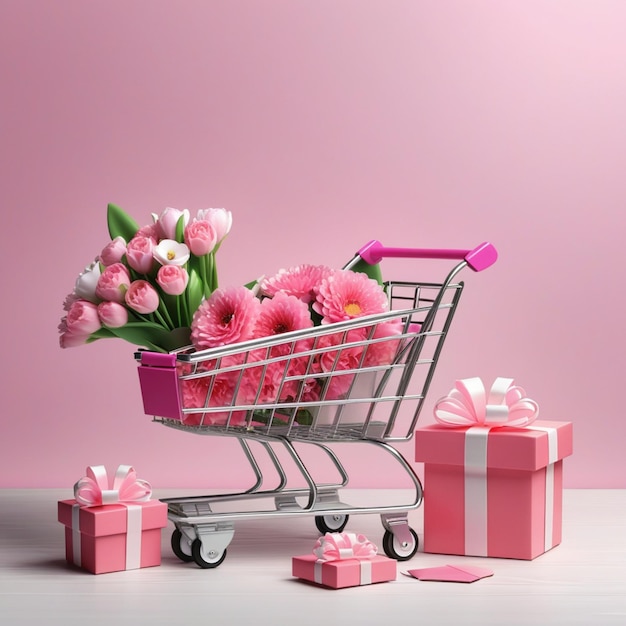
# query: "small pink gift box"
115,536
491,489
345,568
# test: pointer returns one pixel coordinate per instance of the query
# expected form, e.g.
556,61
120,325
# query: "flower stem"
207,275
214,284
158,315
186,317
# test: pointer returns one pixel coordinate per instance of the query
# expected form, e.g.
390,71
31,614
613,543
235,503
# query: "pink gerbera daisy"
345,295
301,281
281,314
334,362
216,390
227,316
383,351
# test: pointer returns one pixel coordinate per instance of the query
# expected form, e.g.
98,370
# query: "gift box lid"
111,519
508,447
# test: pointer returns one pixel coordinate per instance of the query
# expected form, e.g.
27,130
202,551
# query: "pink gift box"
508,505
344,572
113,537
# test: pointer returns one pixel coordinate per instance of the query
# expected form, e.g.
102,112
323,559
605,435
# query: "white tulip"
170,252
87,281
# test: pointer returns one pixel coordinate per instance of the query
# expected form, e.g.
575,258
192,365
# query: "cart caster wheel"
181,546
395,549
206,559
331,523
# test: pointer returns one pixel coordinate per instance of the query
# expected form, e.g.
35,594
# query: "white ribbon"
365,570
553,457
76,544
475,479
133,536
317,571
476,438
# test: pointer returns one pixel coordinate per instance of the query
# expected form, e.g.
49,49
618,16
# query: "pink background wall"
320,125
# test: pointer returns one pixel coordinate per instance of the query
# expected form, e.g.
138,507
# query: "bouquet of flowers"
148,282
156,286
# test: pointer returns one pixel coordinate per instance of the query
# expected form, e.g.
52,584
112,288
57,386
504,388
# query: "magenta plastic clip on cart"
374,415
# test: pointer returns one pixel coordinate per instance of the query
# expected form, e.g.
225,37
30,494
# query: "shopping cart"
369,387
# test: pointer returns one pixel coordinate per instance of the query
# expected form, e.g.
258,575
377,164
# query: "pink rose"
112,314
200,237
172,279
142,297
82,318
140,253
113,251
113,283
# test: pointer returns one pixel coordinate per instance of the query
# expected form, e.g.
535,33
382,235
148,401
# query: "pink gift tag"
451,573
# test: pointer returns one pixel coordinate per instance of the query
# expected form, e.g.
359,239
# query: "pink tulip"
70,340
113,251
172,279
220,219
69,300
200,237
112,314
150,230
142,297
168,220
140,253
113,283
82,318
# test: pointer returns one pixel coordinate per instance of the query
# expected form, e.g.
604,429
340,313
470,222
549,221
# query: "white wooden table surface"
582,581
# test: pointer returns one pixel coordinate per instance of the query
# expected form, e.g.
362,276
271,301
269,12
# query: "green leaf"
120,223
180,229
101,333
152,337
195,291
373,271
139,334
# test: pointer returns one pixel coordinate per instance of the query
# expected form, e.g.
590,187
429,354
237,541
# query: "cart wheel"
395,549
331,523
206,559
181,546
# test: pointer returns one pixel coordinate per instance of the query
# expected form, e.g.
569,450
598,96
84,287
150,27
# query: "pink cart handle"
478,259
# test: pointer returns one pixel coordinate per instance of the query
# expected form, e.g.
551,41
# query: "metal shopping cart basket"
370,388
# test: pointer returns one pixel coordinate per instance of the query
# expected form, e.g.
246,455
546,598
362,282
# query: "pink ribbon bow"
470,405
337,546
93,489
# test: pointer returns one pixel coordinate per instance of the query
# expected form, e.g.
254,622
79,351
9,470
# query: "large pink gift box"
113,537
344,572
493,492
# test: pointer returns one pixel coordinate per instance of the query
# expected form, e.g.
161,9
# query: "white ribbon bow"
468,404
